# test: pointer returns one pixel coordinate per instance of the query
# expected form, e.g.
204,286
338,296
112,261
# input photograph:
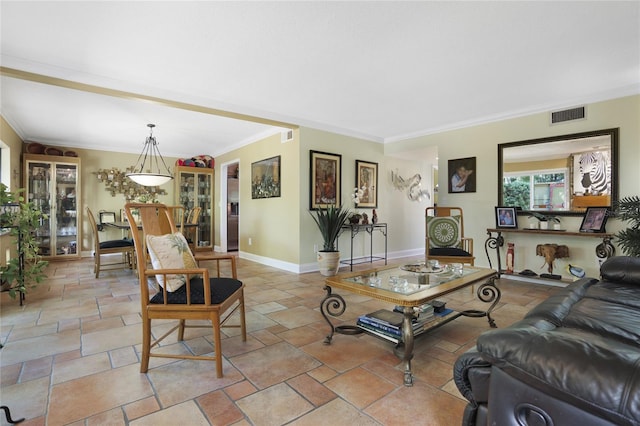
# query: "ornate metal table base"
334,305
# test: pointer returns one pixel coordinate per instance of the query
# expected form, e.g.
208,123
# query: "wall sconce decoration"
411,185
117,182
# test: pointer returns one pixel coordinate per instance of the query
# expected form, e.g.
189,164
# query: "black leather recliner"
573,360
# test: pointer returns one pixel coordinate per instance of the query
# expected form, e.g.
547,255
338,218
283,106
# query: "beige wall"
13,141
481,141
271,223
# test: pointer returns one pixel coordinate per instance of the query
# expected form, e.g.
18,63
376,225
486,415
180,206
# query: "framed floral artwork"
367,184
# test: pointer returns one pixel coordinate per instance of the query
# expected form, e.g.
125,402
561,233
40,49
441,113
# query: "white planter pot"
544,225
329,262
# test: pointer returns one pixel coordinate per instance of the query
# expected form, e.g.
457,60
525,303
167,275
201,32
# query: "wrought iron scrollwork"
605,249
334,305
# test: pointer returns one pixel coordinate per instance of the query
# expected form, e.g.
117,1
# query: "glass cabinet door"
66,210
195,189
39,193
53,187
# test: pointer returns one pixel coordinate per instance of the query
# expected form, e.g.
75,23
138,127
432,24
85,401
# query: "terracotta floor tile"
322,373
240,390
274,364
187,413
419,404
219,409
337,412
141,408
187,379
311,389
113,417
36,368
130,385
80,367
360,387
276,405
28,399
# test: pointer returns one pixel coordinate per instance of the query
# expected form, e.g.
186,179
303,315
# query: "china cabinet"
52,184
194,188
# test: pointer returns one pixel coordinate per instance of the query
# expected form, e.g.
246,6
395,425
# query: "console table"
604,250
369,228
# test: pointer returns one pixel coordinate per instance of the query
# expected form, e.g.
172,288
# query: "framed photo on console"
506,217
594,219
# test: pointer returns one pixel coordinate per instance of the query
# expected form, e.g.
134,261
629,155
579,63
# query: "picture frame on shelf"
506,217
595,219
325,180
367,182
265,178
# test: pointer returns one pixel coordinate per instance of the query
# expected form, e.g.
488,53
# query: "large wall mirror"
561,174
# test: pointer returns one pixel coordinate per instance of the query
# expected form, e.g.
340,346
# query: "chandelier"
152,175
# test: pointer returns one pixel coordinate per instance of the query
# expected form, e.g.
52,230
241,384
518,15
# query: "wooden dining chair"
124,247
445,240
186,291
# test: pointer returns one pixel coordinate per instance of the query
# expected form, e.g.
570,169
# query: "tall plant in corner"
26,268
329,221
628,209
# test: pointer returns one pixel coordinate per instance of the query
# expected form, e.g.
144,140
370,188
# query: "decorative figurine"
365,219
374,217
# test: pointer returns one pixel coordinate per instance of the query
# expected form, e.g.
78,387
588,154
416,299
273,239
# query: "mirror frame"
612,133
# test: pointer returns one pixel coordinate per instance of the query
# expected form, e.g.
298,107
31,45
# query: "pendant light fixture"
152,175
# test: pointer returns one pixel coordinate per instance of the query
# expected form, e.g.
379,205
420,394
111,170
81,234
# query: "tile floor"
71,357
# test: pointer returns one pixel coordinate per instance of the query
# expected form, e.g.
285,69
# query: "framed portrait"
462,175
506,217
107,217
265,178
326,178
595,218
367,182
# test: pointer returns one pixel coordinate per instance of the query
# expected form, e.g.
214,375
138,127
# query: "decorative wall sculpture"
117,182
411,185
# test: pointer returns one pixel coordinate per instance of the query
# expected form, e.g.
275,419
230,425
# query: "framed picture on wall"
265,178
367,183
462,175
326,179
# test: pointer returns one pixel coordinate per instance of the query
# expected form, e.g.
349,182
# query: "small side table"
369,229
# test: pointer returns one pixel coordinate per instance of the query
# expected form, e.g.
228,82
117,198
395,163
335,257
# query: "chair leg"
215,322
146,345
97,265
243,323
181,330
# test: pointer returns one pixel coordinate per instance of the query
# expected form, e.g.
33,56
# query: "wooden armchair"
100,248
186,291
445,240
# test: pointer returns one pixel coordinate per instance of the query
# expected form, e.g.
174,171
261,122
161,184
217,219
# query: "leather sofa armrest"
471,374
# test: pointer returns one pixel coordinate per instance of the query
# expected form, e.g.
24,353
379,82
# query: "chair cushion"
170,251
448,251
116,243
443,231
221,289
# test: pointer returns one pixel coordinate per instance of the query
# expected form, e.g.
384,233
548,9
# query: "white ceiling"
384,71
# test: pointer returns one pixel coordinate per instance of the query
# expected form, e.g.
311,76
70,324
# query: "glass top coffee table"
409,286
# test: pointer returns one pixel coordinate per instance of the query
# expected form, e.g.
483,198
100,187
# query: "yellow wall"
481,142
13,141
271,223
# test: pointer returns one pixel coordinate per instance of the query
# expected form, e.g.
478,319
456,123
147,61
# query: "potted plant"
544,220
628,208
26,268
329,221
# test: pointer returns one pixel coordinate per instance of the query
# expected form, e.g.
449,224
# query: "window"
539,190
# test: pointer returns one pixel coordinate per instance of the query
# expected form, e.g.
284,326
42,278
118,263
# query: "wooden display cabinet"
194,188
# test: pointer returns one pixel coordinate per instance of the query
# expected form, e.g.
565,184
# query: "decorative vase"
328,262
510,254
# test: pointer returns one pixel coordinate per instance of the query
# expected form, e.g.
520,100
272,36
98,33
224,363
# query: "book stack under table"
388,324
